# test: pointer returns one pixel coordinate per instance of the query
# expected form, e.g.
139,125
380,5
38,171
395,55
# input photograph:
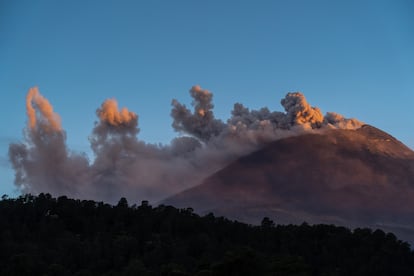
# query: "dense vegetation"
47,236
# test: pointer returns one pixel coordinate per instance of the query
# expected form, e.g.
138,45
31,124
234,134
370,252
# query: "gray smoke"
201,124
125,166
43,163
299,112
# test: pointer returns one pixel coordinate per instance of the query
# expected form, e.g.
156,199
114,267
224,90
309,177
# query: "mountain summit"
362,177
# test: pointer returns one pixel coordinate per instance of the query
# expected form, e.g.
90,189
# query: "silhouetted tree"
122,203
267,223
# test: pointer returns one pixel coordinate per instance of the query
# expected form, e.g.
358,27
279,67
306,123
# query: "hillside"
355,178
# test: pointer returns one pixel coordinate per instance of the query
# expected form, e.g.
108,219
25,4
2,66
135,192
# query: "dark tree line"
42,235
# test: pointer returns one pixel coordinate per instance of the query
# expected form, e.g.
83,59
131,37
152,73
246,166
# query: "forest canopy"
43,235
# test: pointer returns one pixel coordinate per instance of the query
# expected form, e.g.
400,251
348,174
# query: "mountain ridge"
348,177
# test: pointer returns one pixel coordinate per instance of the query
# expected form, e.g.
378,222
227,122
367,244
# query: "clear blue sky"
352,57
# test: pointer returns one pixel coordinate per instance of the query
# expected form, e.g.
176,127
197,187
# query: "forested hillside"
42,235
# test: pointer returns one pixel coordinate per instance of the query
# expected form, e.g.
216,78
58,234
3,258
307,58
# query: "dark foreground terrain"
47,236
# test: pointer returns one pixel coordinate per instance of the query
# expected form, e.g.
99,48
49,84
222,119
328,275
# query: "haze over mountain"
362,177
125,166
292,166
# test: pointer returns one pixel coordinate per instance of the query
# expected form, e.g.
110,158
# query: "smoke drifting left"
125,166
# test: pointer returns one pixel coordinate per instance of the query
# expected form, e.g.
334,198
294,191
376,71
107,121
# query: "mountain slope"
361,177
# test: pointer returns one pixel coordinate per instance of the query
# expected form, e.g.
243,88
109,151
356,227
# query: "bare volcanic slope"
362,177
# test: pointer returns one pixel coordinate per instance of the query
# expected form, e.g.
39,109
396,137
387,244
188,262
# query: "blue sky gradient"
351,57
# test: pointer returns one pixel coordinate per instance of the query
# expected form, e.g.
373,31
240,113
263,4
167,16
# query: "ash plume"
123,165
109,114
201,123
299,112
43,163
40,112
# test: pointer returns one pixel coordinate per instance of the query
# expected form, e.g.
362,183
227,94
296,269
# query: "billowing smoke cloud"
43,163
201,123
123,165
47,120
299,112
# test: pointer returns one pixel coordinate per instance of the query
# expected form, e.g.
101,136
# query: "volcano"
355,178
